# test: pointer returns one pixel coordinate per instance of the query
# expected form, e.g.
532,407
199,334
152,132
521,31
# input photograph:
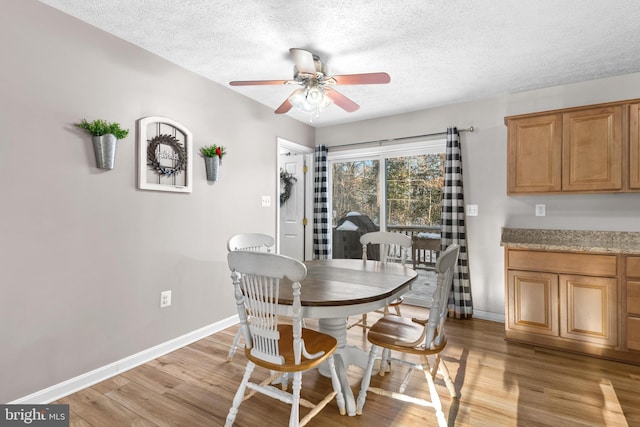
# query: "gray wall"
484,168
84,253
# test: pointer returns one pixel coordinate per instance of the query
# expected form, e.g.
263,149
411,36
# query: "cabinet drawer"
633,333
633,266
633,298
562,262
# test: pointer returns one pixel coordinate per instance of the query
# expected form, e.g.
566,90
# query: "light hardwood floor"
498,383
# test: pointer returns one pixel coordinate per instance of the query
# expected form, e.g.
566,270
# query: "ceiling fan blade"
284,107
258,82
340,100
303,60
362,79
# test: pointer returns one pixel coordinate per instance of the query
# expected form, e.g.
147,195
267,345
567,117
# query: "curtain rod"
402,138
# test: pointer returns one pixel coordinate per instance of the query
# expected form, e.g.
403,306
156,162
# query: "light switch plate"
266,201
472,210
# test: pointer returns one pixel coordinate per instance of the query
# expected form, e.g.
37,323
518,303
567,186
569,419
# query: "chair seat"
314,342
400,333
397,301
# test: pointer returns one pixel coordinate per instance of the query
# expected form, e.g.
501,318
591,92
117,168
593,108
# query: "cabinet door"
634,146
532,302
633,333
534,148
592,149
633,297
589,309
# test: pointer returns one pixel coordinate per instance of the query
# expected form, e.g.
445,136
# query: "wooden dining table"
337,288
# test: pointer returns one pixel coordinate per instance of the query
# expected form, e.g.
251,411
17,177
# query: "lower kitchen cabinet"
633,302
633,333
533,302
570,306
573,301
589,309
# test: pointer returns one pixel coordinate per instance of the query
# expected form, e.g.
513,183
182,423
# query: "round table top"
342,282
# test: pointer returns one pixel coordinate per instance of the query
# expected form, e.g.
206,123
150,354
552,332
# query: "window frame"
380,153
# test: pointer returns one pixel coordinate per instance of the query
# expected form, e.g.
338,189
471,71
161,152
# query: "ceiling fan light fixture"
310,100
314,96
299,100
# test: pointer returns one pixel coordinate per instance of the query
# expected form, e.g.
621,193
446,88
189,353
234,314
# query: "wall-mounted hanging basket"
212,165
212,155
104,148
104,136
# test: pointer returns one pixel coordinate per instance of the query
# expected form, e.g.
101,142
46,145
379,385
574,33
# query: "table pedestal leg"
346,355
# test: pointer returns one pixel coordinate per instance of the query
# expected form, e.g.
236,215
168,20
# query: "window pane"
414,190
355,189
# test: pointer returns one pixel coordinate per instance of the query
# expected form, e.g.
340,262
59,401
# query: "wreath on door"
286,182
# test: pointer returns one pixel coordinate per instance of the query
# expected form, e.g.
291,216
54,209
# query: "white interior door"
292,212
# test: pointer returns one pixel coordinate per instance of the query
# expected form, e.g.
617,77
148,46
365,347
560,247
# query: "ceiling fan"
316,92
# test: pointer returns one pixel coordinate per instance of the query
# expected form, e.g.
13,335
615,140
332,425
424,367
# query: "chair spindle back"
257,278
255,242
445,267
388,243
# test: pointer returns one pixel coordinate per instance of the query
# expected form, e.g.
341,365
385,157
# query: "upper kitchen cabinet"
634,146
534,154
590,149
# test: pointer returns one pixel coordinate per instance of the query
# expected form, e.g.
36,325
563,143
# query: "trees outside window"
400,186
355,189
414,190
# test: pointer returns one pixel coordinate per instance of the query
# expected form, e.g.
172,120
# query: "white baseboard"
487,315
70,386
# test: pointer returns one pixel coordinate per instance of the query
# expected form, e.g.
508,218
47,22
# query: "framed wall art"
165,149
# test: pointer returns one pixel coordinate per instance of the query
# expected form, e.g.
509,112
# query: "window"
399,187
355,188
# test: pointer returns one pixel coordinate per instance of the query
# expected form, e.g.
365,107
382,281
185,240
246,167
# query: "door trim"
286,145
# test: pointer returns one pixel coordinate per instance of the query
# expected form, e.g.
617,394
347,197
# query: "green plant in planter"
213,150
101,127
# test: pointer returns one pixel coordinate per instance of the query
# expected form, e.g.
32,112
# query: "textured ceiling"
437,52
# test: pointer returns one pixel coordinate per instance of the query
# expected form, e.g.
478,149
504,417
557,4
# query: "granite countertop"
615,242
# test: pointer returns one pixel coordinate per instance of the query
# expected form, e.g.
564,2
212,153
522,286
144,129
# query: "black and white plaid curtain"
453,227
321,244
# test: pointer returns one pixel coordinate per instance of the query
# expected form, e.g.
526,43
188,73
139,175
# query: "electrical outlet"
541,210
266,201
472,210
165,299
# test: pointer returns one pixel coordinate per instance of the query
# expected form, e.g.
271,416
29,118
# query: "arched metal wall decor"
164,155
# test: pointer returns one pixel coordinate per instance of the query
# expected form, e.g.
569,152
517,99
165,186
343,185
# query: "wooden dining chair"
421,337
391,246
255,242
280,348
